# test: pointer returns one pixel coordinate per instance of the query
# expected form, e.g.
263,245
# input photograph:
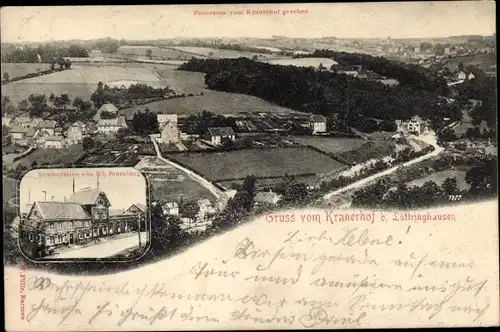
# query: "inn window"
51,240
59,238
60,225
31,237
52,226
71,224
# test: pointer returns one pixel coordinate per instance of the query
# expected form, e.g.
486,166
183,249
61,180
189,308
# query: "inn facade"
82,219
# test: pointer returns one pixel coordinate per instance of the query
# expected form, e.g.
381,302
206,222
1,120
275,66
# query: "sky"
122,191
342,20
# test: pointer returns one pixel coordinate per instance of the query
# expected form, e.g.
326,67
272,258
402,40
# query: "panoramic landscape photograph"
222,115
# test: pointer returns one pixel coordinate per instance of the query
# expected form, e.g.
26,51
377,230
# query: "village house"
76,132
22,121
47,125
53,142
206,208
106,108
269,197
141,210
21,135
216,134
414,126
84,216
317,124
168,128
111,126
6,121
471,76
35,122
461,76
171,209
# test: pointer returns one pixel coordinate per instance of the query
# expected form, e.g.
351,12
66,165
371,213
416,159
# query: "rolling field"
168,183
213,101
50,156
483,61
21,69
81,81
304,62
260,163
181,81
218,53
329,144
367,151
94,74
20,90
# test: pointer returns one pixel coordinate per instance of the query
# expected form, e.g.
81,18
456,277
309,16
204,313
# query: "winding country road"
429,139
198,178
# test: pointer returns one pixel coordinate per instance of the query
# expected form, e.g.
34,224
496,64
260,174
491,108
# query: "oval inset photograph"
83,214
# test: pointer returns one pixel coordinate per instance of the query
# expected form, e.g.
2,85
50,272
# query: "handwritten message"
355,275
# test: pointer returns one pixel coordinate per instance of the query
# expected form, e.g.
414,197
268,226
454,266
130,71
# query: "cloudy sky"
122,191
357,20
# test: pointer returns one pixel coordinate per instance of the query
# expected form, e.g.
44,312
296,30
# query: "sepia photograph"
83,213
248,166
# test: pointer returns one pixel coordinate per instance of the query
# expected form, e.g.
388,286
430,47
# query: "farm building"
206,208
20,135
216,134
267,198
461,76
76,132
35,122
171,209
54,142
22,121
111,126
163,119
107,108
141,211
317,123
6,121
47,125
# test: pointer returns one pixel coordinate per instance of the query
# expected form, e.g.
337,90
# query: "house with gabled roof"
107,108
216,134
22,121
83,217
111,126
415,126
47,125
317,124
76,132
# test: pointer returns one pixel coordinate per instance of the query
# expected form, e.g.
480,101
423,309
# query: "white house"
55,142
111,126
166,118
414,125
471,76
168,128
206,207
171,208
6,121
216,134
461,76
76,132
267,198
317,123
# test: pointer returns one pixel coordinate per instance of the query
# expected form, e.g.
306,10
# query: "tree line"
322,92
126,95
46,52
407,74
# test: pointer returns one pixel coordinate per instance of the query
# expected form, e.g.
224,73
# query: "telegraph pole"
45,193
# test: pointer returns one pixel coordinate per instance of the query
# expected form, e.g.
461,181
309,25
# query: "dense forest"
407,74
323,92
47,53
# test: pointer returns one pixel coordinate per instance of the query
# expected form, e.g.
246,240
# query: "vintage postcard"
250,166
